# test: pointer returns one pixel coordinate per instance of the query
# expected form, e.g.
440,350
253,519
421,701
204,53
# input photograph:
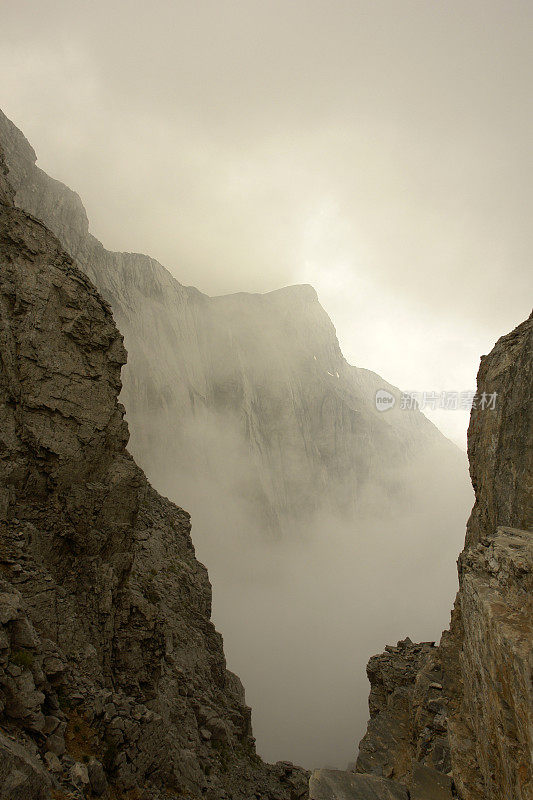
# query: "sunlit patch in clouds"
379,151
383,333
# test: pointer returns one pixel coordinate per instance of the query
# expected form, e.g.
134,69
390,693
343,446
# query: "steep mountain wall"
112,677
490,643
464,709
247,391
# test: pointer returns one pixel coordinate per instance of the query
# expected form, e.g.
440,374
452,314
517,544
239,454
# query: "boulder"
428,784
22,776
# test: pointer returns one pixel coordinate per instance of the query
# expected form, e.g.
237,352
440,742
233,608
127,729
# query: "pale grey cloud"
248,145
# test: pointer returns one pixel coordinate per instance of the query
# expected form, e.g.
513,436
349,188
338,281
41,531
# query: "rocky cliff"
113,680
243,410
247,392
456,720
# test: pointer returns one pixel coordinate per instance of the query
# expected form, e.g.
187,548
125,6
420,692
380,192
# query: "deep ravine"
113,680
456,720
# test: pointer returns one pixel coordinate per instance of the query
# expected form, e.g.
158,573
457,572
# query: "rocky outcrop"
490,705
112,676
464,709
492,716
249,386
499,442
399,702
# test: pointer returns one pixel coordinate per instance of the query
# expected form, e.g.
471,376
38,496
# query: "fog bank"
301,615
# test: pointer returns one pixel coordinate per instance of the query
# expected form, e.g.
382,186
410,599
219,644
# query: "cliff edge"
113,681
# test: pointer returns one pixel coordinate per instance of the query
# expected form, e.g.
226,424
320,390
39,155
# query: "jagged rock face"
496,661
111,673
489,644
499,441
467,705
395,703
300,429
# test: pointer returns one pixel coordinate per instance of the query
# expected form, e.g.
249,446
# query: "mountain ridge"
190,364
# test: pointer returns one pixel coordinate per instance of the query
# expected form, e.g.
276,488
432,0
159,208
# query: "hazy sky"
378,149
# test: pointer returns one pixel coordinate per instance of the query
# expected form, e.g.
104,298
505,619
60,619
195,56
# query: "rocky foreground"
113,680
456,720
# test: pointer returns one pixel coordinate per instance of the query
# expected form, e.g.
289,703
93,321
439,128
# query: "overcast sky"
378,149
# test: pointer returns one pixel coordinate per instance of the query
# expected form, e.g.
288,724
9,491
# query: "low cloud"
302,613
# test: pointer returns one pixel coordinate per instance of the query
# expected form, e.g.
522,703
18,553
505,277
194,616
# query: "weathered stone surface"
79,775
386,749
107,650
490,701
499,441
331,784
428,784
469,707
52,762
97,777
496,662
22,776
